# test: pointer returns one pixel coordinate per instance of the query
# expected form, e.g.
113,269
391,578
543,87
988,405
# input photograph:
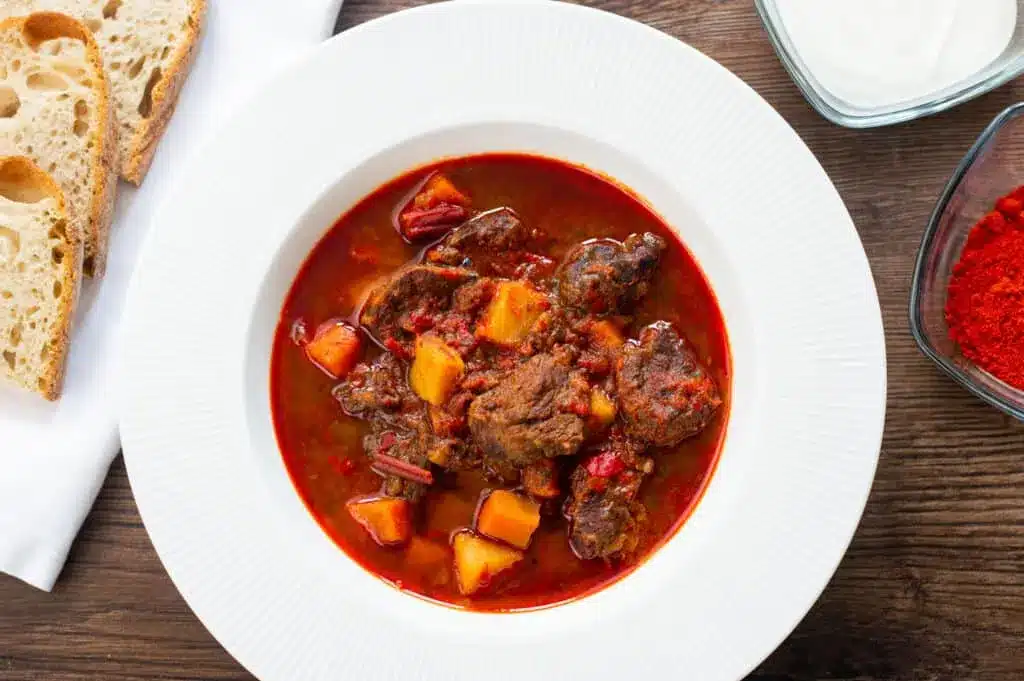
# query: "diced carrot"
541,479
437,190
602,410
605,335
478,561
387,519
508,517
335,348
435,369
514,309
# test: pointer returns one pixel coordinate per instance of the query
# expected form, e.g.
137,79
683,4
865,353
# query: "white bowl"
747,198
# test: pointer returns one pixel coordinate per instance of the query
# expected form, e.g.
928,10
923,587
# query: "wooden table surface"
933,586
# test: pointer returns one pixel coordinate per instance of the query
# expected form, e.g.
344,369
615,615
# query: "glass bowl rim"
925,249
846,117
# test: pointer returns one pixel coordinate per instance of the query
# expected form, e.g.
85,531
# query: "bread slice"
40,274
148,48
55,109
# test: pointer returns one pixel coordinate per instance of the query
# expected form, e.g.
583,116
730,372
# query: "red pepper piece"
605,465
431,222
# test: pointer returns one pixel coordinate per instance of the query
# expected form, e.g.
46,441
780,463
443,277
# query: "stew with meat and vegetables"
500,382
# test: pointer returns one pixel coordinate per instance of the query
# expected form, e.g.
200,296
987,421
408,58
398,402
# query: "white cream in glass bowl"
864,63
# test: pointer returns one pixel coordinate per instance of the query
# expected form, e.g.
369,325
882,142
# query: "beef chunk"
407,444
605,517
456,327
533,414
500,470
540,479
605,276
472,298
408,302
665,394
490,243
399,423
377,390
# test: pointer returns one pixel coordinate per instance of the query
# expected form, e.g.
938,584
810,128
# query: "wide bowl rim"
843,346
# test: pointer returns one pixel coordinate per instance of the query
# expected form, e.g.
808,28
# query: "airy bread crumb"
40,275
148,48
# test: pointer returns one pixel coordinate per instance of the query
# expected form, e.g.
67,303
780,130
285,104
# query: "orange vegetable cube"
436,368
387,519
602,409
513,311
335,348
508,517
437,190
605,335
478,561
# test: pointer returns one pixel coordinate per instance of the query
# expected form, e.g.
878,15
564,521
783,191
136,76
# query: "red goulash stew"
500,382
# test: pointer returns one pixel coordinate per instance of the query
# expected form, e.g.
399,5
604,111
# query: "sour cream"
874,53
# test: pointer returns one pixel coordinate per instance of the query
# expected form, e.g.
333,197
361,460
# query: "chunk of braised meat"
605,276
490,243
472,298
535,413
665,394
500,470
409,303
603,340
456,327
553,329
400,457
605,517
401,443
537,269
540,479
377,390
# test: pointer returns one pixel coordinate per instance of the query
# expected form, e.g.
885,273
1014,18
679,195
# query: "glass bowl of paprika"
967,295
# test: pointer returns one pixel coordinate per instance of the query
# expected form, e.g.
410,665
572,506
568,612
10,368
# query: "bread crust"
45,26
164,99
52,378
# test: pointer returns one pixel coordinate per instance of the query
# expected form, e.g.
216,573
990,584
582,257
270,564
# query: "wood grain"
933,586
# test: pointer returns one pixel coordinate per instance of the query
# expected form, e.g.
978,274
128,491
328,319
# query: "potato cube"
335,348
439,189
513,311
387,519
508,517
478,561
602,409
605,335
436,368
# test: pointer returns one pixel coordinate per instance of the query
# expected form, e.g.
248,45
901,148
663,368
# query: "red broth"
322,447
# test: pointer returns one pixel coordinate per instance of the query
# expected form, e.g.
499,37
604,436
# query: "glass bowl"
1006,67
992,168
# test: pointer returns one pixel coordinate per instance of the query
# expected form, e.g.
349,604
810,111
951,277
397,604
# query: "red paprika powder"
985,299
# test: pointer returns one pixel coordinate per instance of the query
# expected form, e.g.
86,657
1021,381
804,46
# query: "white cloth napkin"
54,458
